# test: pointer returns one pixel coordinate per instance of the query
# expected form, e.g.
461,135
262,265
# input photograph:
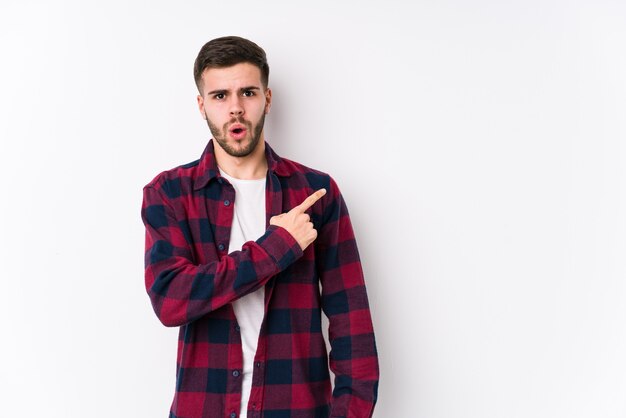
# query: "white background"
480,147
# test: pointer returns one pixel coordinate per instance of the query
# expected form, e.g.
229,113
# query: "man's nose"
236,109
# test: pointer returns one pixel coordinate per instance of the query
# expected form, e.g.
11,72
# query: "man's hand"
298,223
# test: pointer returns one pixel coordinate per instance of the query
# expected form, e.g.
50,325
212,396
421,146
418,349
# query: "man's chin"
241,148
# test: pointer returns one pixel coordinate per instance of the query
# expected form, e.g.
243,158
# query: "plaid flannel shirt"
191,281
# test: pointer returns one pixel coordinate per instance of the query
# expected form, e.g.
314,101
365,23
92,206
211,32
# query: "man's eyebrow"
249,88
224,91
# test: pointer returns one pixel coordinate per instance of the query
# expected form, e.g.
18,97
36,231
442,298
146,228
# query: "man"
237,245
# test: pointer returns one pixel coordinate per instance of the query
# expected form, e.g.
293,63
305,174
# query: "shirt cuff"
281,246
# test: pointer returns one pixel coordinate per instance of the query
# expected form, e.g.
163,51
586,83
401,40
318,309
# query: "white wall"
480,147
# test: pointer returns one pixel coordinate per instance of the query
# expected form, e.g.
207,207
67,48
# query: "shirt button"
221,247
233,415
226,202
220,181
236,373
258,364
237,328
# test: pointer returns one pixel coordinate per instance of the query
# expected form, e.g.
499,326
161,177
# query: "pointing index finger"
309,201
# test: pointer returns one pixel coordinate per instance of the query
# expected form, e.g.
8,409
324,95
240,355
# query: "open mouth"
237,130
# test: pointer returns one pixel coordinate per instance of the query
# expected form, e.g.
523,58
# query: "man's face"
234,104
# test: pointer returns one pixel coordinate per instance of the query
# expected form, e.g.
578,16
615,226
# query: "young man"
237,245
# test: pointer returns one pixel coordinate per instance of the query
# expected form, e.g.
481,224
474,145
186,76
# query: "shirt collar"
208,168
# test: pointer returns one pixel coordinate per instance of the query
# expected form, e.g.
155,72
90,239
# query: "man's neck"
251,167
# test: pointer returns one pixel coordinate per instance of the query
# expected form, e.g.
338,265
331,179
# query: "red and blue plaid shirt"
192,282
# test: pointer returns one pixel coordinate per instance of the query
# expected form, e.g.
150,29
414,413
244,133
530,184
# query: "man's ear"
201,106
268,100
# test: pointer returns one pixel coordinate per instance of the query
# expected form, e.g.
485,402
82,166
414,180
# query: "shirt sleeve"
182,291
353,355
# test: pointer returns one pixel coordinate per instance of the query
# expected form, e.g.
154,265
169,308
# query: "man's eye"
248,93
219,96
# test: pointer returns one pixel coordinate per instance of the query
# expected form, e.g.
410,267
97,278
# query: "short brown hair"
228,51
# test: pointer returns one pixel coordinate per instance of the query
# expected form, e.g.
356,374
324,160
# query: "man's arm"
181,291
353,355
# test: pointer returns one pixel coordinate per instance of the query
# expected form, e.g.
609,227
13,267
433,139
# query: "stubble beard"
220,135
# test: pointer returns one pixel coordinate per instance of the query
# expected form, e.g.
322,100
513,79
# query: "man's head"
231,74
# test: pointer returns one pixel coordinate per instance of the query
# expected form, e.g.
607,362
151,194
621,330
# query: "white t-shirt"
248,225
